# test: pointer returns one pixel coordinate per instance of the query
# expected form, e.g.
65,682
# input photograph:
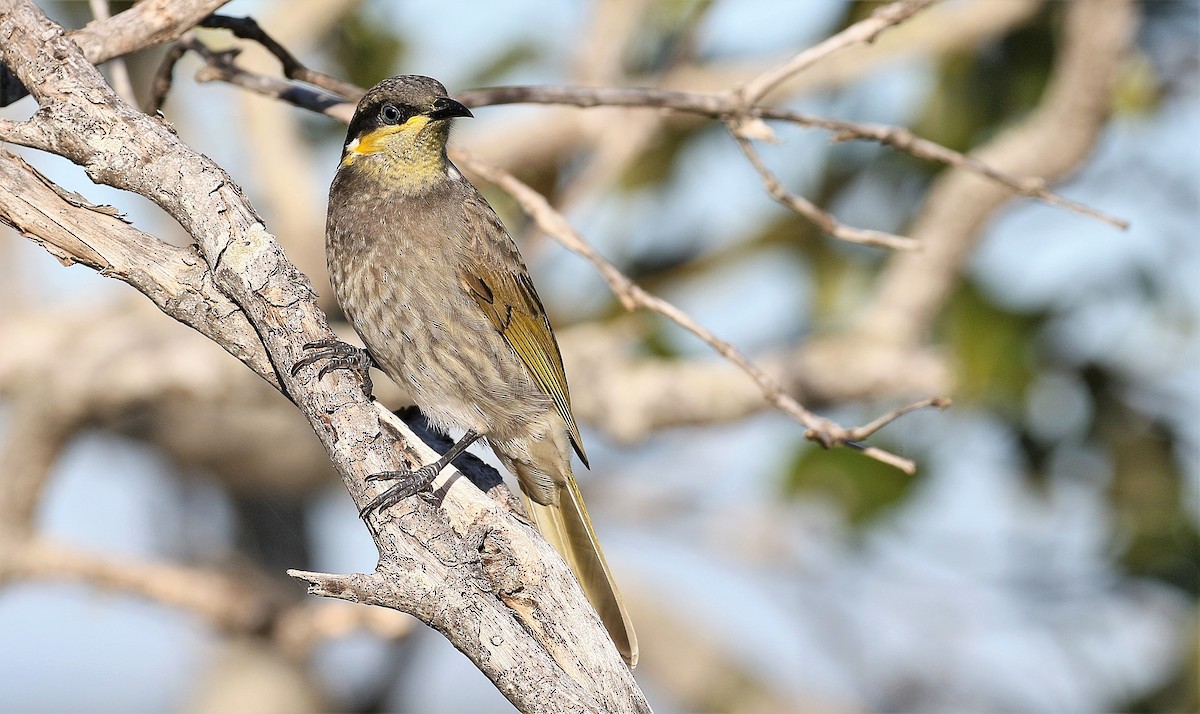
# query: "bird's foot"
405,484
340,356
408,483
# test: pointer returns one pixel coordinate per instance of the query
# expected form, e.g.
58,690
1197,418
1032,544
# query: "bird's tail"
566,526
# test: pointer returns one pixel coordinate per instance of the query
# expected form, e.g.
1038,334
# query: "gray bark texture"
468,566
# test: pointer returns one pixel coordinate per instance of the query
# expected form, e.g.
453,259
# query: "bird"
439,294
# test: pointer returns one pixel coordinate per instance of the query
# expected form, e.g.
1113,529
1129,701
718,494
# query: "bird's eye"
390,113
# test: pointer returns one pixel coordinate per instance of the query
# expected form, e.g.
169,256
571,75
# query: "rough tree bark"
453,565
466,567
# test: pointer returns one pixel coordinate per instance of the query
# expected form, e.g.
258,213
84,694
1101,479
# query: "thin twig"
728,106
160,86
908,142
220,67
723,106
862,432
864,31
248,29
632,296
823,219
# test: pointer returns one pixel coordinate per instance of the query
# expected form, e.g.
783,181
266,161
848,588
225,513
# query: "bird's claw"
341,356
406,483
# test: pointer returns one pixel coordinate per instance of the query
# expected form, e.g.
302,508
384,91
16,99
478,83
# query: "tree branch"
427,564
864,31
632,296
146,24
176,279
1050,142
729,106
821,218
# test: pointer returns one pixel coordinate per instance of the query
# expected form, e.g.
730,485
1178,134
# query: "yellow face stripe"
378,140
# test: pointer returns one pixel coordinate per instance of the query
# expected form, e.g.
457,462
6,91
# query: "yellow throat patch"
409,157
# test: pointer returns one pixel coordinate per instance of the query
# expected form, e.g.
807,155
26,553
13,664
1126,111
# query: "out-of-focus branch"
118,70
242,602
227,602
821,218
138,374
1049,143
35,437
146,24
633,296
862,32
176,279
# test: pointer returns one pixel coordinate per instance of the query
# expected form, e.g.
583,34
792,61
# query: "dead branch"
862,32
149,23
821,218
83,120
1050,142
633,296
176,279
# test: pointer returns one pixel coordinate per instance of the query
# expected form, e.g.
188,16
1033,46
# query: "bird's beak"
446,108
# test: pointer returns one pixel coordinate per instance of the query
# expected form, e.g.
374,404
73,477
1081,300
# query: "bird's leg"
340,356
408,483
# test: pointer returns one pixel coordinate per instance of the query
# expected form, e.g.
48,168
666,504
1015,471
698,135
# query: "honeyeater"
437,290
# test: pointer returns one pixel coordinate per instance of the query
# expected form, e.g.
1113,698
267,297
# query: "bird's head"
400,129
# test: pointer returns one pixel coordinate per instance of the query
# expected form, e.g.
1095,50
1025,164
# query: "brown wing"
507,296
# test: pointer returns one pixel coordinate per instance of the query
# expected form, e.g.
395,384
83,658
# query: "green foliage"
979,92
1160,539
494,70
862,487
366,50
656,165
994,351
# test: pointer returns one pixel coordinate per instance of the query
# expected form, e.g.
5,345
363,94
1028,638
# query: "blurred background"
1045,558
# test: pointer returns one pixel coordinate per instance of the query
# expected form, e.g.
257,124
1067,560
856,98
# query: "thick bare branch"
176,279
146,24
442,579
